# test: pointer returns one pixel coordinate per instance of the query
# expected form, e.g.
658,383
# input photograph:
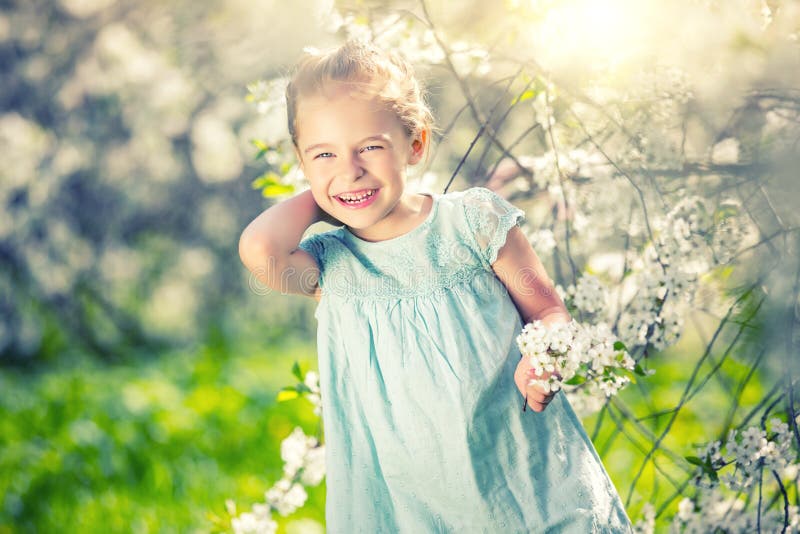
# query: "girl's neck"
410,211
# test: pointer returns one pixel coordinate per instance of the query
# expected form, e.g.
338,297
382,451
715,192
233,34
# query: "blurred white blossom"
647,524
304,465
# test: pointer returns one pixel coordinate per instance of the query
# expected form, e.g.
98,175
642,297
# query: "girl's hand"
537,398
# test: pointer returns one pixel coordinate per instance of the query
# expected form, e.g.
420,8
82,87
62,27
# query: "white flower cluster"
587,400
259,521
660,93
303,454
415,39
588,295
267,95
574,164
654,313
542,240
647,524
575,354
304,465
689,241
311,380
714,511
749,451
729,232
286,496
666,276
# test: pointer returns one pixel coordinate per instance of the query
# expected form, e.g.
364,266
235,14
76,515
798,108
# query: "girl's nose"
352,168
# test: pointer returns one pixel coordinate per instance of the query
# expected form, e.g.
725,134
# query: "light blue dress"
423,423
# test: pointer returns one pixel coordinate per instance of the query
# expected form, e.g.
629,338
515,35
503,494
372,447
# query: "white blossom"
746,455
588,295
286,496
304,466
259,521
567,350
647,524
312,382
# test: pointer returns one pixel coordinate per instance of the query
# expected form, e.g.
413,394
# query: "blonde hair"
369,69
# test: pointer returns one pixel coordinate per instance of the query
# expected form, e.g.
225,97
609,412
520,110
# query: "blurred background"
140,362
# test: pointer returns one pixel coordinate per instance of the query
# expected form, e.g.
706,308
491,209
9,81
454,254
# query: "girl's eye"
371,147
323,155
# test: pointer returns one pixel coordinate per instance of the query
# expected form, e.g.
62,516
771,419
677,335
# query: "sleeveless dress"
423,424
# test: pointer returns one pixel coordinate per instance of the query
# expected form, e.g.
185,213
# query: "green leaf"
297,372
724,212
265,179
575,380
276,190
638,370
262,147
705,464
721,273
287,394
619,345
527,95
271,186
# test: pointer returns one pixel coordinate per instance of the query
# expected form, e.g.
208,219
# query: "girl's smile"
357,199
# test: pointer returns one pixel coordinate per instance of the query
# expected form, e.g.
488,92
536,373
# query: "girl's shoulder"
320,245
487,218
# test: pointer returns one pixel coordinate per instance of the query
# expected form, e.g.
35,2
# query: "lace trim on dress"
490,217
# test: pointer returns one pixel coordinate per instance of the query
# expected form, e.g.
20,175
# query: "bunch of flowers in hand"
574,354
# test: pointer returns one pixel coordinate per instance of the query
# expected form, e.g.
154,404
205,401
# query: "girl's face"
354,153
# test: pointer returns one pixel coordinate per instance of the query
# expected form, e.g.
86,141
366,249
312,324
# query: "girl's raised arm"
268,246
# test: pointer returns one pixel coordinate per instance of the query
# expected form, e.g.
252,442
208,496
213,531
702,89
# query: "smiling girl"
420,299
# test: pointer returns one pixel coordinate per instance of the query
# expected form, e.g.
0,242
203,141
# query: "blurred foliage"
150,447
126,142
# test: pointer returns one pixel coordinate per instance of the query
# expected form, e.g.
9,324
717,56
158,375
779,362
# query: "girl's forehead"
341,95
329,114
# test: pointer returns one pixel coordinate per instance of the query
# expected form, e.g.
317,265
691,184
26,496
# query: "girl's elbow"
261,263
252,251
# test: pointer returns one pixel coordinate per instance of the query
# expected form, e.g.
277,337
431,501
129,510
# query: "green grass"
155,446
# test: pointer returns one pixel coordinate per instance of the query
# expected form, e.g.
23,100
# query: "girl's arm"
268,246
522,272
533,293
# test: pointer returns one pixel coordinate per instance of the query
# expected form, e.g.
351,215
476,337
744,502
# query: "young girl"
420,300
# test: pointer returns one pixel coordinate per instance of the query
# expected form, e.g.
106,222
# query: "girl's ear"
418,146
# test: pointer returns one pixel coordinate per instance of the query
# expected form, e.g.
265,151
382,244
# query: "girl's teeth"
358,198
